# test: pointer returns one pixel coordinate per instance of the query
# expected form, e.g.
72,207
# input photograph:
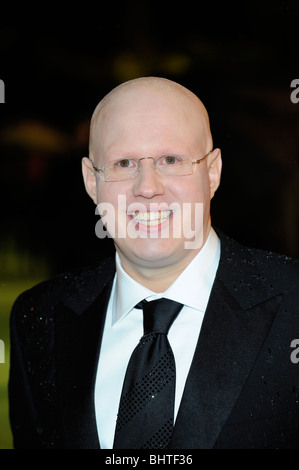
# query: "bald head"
140,96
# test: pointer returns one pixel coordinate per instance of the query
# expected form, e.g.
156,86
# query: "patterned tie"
146,411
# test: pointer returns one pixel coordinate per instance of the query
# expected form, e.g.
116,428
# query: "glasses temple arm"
203,158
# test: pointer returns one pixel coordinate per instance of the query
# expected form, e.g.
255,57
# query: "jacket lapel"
231,337
77,345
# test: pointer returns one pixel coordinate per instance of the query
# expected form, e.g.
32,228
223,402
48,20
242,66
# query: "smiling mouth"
152,218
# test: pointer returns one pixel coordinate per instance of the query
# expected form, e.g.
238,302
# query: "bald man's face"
146,123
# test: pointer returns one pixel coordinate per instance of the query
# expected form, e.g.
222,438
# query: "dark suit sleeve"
33,409
40,354
24,418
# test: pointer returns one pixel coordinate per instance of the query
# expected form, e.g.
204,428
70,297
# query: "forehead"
146,115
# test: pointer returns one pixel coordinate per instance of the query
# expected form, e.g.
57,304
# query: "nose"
148,183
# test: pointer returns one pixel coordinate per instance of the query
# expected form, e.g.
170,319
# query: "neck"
156,280
157,277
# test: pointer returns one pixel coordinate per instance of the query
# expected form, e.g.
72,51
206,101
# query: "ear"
89,179
214,168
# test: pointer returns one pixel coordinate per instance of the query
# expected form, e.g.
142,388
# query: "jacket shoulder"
259,274
235,253
77,283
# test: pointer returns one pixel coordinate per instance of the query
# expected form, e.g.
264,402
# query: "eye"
170,160
124,163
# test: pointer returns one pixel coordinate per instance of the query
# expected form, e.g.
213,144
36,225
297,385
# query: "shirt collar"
127,292
191,288
194,284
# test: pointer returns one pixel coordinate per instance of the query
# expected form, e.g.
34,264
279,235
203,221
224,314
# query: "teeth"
151,218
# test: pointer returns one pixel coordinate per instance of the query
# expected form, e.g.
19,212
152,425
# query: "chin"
156,252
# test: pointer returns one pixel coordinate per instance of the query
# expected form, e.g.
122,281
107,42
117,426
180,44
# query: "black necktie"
146,410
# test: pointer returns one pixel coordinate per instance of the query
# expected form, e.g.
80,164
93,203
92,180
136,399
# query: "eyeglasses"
128,168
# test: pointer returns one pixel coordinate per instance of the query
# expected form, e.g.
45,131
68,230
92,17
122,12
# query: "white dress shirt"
124,327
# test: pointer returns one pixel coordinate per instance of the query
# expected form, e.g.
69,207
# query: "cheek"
195,199
107,193
112,206
101,192
106,208
195,190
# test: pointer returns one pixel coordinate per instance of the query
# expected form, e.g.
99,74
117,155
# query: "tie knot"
158,315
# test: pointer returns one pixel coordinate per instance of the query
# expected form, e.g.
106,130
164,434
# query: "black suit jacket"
242,390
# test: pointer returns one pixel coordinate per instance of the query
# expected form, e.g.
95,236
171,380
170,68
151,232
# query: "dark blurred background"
239,58
57,62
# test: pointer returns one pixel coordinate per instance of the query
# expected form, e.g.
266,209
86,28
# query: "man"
152,171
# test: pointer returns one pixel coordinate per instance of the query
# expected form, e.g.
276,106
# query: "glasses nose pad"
146,158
